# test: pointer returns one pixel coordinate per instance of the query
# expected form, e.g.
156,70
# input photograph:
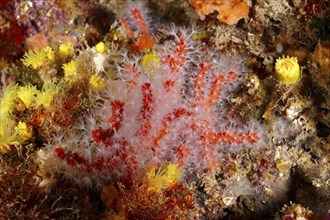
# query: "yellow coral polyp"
27,94
163,177
38,57
65,50
70,71
8,138
287,70
49,53
24,131
96,82
7,100
150,62
100,47
46,96
173,173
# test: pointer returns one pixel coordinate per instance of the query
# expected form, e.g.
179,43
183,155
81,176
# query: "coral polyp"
287,70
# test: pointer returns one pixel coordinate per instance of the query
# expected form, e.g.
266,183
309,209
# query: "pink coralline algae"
38,15
174,112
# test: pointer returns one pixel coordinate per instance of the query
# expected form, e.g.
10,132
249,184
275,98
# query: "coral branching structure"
169,106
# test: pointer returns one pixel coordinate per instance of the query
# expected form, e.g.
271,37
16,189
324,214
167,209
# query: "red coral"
140,20
156,119
144,41
178,59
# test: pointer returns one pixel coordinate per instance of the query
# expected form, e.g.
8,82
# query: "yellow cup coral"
27,95
70,70
24,131
163,177
150,62
7,99
7,138
100,47
287,70
46,96
65,50
38,57
96,82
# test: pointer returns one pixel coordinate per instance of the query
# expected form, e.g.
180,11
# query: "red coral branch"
146,110
168,85
128,29
177,61
117,114
171,117
140,20
217,85
200,81
211,138
183,151
103,136
123,155
72,159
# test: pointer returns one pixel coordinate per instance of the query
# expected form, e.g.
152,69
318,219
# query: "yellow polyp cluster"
7,138
38,57
287,70
7,105
70,70
24,131
7,101
96,82
65,50
50,54
100,47
150,62
164,177
27,94
46,95
11,135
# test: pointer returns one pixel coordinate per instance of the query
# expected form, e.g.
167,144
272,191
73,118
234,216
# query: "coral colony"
147,121
154,119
